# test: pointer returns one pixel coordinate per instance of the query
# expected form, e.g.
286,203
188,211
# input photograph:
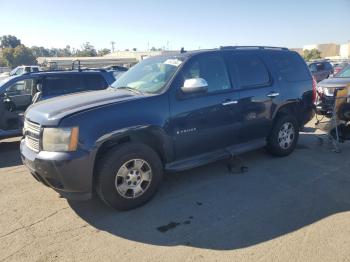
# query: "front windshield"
150,75
345,73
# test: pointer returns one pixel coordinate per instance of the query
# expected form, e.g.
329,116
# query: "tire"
123,181
280,141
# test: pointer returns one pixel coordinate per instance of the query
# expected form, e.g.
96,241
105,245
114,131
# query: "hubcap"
133,178
286,135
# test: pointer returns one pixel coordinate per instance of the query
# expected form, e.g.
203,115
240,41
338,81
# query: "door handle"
273,94
229,102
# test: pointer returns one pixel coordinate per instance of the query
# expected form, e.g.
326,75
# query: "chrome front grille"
32,135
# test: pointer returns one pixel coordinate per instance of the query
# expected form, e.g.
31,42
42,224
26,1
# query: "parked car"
19,70
321,70
168,113
326,88
18,92
338,67
116,70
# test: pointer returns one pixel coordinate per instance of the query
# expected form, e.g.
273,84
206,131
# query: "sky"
173,24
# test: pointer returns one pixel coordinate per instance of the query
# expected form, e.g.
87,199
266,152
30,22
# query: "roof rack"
252,47
67,70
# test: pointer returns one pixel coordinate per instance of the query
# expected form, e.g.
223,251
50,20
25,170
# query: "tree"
312,54
104,51
134,49
9,41
20,55
3,62
87,50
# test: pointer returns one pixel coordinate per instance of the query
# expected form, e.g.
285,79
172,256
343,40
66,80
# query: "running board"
214,156
10,133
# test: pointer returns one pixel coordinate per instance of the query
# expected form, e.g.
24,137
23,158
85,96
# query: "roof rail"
67,70
252,47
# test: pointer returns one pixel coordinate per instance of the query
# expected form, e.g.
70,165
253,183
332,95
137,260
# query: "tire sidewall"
113,161
273,144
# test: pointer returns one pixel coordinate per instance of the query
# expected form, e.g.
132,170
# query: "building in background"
123,58
345,51
327,50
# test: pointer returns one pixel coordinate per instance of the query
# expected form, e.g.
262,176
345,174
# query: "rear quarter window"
94,82
63,84
290,66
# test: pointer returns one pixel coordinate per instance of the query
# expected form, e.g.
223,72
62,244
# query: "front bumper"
70,174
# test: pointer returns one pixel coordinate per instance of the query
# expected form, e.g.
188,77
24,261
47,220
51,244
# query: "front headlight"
60,139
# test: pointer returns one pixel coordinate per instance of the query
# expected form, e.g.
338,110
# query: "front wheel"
284,136
128,176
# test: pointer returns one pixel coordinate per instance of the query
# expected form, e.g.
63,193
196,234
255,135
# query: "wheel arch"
154,137
291,108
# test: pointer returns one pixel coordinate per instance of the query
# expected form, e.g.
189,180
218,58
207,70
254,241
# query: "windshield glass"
150,75
345,73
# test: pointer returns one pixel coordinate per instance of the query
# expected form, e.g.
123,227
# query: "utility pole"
112,43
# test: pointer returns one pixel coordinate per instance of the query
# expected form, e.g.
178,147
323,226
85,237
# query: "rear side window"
63,84
94,82
251,71
291,66
328,66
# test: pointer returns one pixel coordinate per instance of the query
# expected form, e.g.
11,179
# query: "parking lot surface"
282,209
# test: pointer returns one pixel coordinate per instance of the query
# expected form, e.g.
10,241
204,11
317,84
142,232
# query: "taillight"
314,89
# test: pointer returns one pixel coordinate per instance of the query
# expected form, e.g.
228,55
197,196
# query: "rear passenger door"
258,94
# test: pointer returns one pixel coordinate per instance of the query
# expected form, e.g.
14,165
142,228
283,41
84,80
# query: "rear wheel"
284,136
128,176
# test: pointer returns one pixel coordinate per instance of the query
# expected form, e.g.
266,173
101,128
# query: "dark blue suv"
18,92
168,113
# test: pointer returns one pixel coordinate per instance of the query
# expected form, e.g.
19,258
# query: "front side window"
251,70
210,67
21,87
150,75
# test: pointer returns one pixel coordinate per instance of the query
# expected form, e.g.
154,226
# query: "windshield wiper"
130,89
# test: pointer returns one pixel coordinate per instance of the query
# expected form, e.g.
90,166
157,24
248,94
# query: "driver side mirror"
39,87
195,85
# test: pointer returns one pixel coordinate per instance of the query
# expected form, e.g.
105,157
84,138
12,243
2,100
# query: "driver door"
20,93
208,122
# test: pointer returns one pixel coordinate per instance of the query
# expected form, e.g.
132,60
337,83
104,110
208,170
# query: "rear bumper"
70,174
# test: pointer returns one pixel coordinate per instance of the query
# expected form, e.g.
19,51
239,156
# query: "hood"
50,112
334,82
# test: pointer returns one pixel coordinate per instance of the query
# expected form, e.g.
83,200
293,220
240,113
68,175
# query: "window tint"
19,71
23,87
250,69
291,66
95,82
328,66
35,69
210,67
63,84
320,66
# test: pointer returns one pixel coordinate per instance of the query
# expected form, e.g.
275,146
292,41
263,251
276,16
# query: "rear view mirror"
195,85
